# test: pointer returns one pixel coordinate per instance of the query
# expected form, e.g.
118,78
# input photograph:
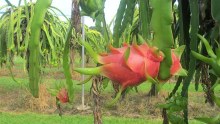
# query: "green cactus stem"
163,38
202,58
40,10
66,64
214,60
89,71
207,46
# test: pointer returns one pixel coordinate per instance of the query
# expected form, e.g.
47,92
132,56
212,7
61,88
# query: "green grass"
32,118
8,83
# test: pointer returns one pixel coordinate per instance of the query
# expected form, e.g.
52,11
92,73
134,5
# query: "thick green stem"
145,18
164,72
66,64
118,20
198,56
163,38
40,10
194,7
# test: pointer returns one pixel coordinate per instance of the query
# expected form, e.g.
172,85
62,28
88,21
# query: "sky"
111,7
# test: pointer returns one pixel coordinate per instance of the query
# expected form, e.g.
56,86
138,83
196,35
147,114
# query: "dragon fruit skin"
176,65
143,61
122,75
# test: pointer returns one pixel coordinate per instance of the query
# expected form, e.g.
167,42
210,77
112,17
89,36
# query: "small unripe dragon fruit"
63,95
130,65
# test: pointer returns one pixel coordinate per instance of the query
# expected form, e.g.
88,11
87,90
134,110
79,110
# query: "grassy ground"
32,118
120,115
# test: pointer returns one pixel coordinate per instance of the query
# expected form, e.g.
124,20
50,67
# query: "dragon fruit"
131,65
63,96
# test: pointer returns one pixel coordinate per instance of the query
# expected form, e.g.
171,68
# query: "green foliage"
173,107
51,38
47,48
214,59
95,39
149,20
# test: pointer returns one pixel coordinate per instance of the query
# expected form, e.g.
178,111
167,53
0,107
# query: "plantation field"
17,106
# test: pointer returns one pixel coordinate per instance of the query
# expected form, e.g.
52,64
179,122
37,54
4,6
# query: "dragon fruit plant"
213,61
131,65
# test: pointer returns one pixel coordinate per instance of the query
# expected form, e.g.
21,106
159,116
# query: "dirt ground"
135,105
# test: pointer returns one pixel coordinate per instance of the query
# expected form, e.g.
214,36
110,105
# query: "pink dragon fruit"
63,96
130,65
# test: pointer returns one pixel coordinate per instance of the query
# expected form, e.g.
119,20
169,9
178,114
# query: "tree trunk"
76,21
96,86
75,15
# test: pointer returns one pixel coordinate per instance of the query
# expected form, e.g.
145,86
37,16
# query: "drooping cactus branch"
40,10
